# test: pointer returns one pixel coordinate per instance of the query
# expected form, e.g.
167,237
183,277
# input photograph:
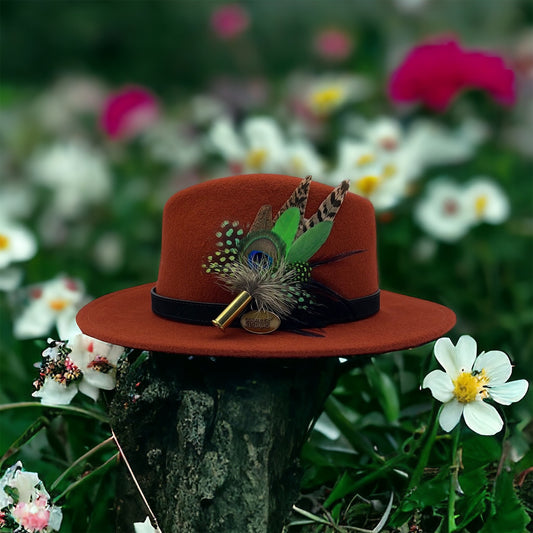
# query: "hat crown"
192,218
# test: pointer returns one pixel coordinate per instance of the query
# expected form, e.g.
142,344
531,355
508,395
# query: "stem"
67,408
426,450
80,460
28,434
454,472
102,468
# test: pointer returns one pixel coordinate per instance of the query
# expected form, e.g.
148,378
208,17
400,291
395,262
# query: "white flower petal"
496,365
56,516
54,393
440,384
144,527
100,380
445,354
508,393
482,418
450,414
466,351
456,359
89,390
34,322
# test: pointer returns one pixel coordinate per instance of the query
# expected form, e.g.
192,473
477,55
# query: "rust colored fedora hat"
291,259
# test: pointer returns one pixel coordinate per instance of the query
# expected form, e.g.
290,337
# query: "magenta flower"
229,21
333,44
128,112
436,72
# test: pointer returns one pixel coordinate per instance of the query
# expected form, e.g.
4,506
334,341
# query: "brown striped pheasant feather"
298,199
329,207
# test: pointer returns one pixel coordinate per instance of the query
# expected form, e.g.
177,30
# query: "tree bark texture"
215,442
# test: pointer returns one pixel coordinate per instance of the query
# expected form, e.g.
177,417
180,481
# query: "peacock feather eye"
262,249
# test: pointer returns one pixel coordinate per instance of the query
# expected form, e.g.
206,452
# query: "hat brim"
125,318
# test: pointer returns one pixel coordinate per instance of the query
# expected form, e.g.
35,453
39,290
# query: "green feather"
287,225
309,242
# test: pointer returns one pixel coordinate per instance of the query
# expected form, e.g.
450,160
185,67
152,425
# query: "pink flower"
229,21
436,72
32,516
128,112
333,44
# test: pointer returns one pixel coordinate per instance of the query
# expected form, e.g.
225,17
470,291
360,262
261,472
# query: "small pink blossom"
436,72
229,21
333,44
32,516
128,112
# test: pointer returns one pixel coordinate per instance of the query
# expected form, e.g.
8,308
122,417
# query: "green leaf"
428,494
507,514
309,242
343,487
476,495
287,225
386,392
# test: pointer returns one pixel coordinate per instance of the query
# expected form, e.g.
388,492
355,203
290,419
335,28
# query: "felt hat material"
192,217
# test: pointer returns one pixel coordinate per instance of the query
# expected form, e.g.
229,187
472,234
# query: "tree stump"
215,442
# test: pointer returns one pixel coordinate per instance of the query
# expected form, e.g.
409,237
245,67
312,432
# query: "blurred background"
107,108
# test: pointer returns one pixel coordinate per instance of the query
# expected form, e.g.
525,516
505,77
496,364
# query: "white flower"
16,243
28,501
444,212
53,392
97,361
53,303
259,147
384,132
328,93
371,174
468,381
145,527
487,200
432,144
301,159
77,174
81,364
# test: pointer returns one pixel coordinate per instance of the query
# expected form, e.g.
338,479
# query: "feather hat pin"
269,268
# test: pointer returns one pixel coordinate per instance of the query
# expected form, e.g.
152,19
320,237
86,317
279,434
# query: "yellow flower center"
367,184
468,385
326,99
58,304
256,158
4,242
365,159
389,170
297,164
481,204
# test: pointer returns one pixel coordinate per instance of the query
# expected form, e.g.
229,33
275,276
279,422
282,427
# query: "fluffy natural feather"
274,290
